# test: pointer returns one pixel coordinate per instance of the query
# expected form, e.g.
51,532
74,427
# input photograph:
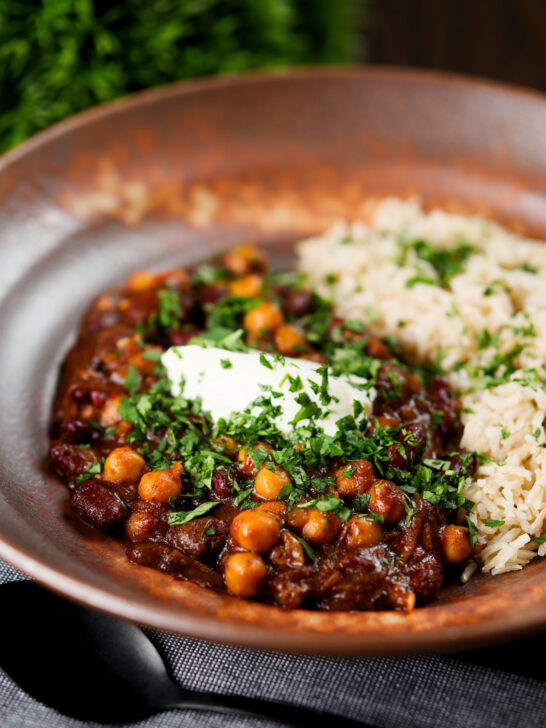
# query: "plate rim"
451,638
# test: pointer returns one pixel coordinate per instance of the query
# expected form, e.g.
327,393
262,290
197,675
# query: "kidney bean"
395,385
413,438
69,460
298,303
101,320
443,402
98,398
81,395
97,506
221,484
456,463
76,431
212,292
425,573
181,338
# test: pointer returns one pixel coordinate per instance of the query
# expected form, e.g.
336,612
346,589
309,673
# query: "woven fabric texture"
496,688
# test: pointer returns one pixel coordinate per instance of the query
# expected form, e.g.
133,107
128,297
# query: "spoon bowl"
78,661
94,667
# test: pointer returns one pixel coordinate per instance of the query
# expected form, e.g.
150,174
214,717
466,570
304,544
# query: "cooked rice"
486,310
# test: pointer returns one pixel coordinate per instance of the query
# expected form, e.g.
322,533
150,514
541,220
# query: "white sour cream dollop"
228,382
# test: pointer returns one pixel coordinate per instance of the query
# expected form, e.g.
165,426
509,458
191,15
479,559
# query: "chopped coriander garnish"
152,355
93,469
528,268
170,312
472,530
221,338
446,262
132,380
295,383
264,361
492,523
311,553
178,518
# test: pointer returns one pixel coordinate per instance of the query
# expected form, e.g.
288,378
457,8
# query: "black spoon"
94,667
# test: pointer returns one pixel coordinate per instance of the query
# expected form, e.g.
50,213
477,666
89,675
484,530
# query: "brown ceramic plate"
171,175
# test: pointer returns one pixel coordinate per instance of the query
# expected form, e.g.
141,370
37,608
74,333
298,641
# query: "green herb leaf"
472,530
311,553
132,380
178,518
170,312
264,361
93,469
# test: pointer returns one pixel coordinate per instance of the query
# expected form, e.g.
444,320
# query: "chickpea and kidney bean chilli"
232,430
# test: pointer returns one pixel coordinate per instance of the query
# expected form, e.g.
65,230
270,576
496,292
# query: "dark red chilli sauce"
367,519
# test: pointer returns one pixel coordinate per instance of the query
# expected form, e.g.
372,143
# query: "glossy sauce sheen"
349,538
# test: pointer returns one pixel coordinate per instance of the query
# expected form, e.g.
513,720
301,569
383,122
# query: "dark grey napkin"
498,688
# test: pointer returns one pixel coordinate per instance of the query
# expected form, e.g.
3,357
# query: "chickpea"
358,480
256,530
246,461
247,287
262,319
362,532
109,414
320,527
105,303
160,485
289,341
385,421
243,259
244,573
269,483
139,526
377,349
175,278
275,507
123,428
124,305
387,500
87,411
455,544
123,465
297,518
226,444
141,280
145,366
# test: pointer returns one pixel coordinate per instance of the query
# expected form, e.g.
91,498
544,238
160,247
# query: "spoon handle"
257,708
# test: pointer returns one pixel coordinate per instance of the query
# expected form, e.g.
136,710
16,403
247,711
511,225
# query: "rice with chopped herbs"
469,296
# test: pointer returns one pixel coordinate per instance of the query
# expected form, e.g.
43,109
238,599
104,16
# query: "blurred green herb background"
58,57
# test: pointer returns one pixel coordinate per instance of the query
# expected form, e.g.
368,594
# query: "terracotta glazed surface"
169,176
